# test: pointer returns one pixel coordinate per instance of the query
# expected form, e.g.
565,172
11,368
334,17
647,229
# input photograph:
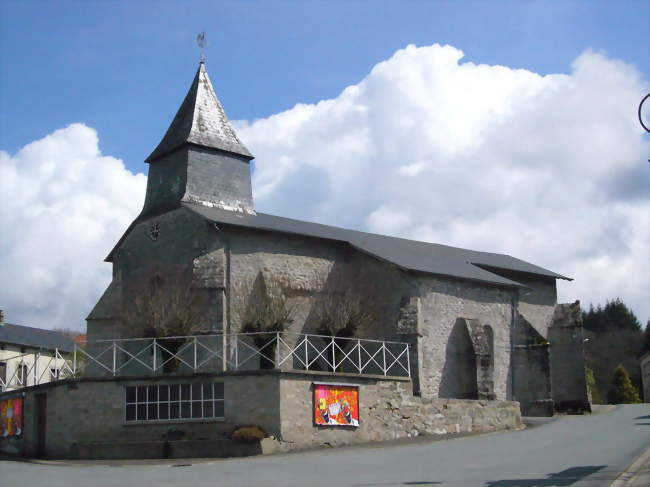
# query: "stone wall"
536,303
443,301
388,410
306,269
93,411
567,359
87,414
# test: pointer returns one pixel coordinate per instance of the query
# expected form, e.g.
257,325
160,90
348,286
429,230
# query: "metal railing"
36,368
243,351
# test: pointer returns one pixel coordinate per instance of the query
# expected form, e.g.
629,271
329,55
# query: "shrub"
248,434
623,391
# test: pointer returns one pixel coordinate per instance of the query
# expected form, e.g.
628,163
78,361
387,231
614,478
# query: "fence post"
35,368
225,353
333,356
194,353
236,352
383,351
359,354
114,357
408,359
277,350
74,360
306,353
155,346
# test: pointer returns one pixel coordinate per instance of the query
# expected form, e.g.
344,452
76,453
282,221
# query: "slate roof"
408,254
200,120
28,336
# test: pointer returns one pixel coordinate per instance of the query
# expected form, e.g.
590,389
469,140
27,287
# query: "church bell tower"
199,160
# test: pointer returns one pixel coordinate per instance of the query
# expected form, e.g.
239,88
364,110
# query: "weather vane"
202,42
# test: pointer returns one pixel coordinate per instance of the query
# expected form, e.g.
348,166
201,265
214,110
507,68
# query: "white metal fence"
27,369
243,351
205,353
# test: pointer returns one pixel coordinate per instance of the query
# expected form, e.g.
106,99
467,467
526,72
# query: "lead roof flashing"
202,121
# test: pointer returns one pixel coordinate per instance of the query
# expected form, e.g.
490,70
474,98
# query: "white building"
30,356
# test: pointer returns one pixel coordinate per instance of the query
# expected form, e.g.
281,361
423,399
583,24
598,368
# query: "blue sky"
498,126
123,67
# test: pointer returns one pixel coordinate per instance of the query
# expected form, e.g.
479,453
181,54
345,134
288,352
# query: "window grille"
175,402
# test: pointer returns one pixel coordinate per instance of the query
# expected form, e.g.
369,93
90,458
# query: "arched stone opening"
459,374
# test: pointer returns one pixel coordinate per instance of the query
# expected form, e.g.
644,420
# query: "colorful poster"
11,417
336,405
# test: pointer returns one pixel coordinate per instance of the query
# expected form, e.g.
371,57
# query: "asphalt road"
575,451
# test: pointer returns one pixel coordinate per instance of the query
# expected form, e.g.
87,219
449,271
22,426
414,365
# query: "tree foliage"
614,336
591,386
622,390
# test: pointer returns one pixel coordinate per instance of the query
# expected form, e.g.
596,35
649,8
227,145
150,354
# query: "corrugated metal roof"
407,254
200,120
28,336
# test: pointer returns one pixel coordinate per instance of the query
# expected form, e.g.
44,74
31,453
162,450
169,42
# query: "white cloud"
64,206
551,169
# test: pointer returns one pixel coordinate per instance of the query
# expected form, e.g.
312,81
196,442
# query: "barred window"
174,402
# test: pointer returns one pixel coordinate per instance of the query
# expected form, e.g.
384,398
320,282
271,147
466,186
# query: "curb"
637,474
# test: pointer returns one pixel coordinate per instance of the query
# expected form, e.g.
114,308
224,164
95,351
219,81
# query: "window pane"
142,393
185,391
207,391
130,412
218,390
174,411
173,392
142,412
185,410
208,409
130,394
218,409
153,394
196,409
196,391
163,411
163,393
153,412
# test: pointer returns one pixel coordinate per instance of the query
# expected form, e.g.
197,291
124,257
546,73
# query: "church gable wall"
172,248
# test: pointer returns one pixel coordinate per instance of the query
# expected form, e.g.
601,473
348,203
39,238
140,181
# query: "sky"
500,126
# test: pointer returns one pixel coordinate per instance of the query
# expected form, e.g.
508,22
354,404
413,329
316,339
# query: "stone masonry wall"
536,303
304,269
443,301
388,410
94,411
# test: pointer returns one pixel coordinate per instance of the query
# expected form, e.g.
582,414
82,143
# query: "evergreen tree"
614,336
623,391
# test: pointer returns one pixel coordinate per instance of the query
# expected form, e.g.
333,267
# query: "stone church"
221,320
480,325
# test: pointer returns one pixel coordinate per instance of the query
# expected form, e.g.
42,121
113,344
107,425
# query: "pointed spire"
200,120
